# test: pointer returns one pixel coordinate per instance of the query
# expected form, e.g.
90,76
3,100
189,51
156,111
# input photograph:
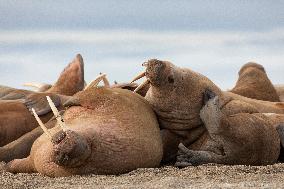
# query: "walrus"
15,117
20,148
107,131
176,95
253,82
241,138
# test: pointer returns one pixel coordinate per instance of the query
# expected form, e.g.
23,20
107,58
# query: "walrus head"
70,148
175,93
159,74
251,65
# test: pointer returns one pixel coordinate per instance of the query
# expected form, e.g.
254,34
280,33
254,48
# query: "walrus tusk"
106,82
95,82
143,74
141,85
56,114
45,130
34,84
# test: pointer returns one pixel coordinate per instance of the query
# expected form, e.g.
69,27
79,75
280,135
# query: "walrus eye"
171,79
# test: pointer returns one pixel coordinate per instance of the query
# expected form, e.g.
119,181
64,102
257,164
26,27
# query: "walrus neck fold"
70,149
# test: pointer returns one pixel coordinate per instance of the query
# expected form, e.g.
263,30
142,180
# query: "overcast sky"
146,15
38,38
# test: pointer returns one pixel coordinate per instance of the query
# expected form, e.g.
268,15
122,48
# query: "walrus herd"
175,117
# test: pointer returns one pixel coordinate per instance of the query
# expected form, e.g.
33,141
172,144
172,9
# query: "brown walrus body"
238,138
110,131
15,117
253,82
176,95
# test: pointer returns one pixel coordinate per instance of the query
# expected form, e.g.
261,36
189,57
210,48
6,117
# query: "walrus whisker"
141,85
95,82
143,74
45,130
56,114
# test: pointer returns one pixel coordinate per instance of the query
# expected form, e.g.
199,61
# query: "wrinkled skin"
15,117
234,138
253,82
176,95
107,134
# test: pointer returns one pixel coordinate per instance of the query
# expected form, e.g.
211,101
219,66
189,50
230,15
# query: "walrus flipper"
20,166
188,157
38,102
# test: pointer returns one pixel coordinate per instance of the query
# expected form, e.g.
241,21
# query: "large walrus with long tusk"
104,131
176,95
16,119
253,82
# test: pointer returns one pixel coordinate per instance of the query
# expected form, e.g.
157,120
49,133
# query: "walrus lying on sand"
20,148
107,131
241,138
253,82
15,118
176,95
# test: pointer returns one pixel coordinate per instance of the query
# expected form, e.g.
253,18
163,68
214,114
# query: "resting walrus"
241,138
253,82
176,95
15,118
108,131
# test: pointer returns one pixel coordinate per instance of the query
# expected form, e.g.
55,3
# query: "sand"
206,176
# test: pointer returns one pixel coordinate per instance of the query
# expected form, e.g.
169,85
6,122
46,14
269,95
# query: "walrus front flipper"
188,157
20,166
38,102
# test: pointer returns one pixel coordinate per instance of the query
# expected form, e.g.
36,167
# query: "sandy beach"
207,176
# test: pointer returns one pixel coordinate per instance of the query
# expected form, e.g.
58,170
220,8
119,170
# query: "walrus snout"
70,148
159,72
